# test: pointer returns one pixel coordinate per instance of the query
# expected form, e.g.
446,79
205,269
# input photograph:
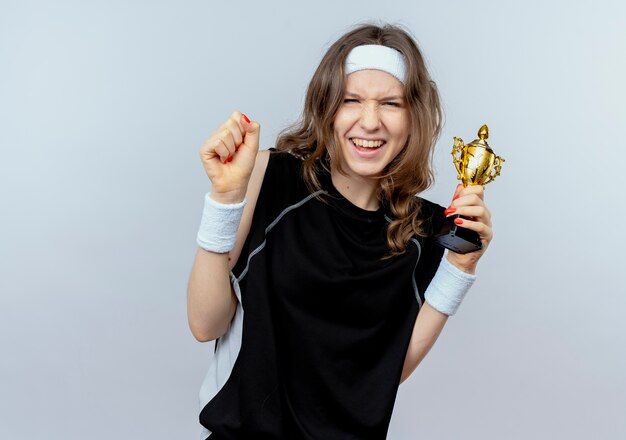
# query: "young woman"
317,271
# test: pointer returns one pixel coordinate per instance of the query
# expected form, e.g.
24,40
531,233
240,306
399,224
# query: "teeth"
366,143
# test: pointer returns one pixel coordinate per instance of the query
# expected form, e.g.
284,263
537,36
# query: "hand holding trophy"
476,164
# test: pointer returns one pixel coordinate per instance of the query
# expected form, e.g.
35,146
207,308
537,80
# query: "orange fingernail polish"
458,221
246,118
449,211
456,197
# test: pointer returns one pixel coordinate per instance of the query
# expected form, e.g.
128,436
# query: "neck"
360,191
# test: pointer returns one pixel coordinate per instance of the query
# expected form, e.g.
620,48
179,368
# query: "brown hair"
410,172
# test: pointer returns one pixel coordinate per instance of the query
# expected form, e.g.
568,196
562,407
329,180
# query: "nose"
370,119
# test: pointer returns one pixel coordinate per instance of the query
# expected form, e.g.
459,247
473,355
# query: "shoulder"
270,189
284,159
283,170
432,215
433,218
280,181
271,167
257,176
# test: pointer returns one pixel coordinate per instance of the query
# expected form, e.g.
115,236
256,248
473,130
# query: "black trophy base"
456,238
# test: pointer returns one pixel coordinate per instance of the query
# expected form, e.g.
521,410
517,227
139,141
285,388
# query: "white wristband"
218,228
448,287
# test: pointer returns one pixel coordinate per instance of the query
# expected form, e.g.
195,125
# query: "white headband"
375,56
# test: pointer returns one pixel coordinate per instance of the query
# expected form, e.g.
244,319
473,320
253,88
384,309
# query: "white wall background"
103,107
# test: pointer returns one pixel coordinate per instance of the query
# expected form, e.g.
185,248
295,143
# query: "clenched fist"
228,157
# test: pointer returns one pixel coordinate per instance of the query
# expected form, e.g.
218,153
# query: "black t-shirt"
325,321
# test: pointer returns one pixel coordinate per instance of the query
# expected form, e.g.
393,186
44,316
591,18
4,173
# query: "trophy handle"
495,171
457,149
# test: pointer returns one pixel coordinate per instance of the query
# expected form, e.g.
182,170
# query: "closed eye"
348,100
393,104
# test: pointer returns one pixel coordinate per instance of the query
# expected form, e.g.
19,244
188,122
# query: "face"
372,124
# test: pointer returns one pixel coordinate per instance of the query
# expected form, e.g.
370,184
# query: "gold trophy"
476,164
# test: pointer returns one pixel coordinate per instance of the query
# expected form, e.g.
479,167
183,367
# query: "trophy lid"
483,134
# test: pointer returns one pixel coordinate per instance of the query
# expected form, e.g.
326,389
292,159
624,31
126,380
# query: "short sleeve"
431,252
281,185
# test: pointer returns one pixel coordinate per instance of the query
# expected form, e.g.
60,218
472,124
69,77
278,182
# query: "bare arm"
211,301
430,322
426,330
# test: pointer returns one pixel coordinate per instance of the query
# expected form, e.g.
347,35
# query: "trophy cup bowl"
476,164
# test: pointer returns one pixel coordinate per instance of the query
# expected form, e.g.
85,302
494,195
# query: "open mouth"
365,145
